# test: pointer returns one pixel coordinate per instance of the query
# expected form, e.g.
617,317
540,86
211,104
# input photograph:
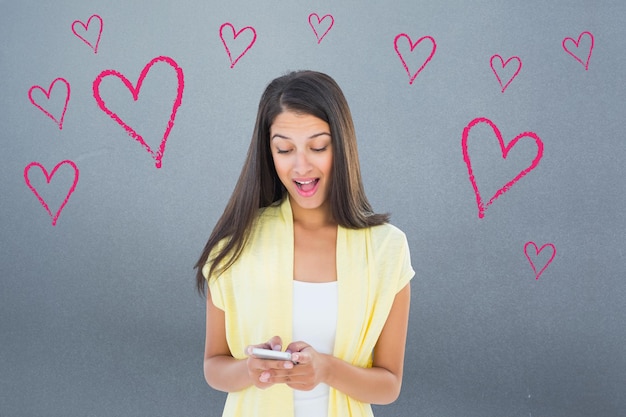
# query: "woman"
299,262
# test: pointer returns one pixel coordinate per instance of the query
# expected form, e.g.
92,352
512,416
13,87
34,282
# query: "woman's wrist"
328,368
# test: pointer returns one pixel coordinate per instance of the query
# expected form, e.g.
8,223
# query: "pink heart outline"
505,150
537,252
413,46
319,22
577,43
235,35
86,29
135,92
47,93
72,188
503,64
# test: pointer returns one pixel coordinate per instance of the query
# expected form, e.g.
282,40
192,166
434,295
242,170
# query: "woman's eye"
282,150
320,149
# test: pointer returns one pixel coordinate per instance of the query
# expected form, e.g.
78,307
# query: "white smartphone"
271,354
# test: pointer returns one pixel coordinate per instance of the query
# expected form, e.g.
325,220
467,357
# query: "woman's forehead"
289,123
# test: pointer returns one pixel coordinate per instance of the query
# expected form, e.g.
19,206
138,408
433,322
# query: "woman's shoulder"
388,240
267,216
269,221
389,254
381,239
387,231
273,210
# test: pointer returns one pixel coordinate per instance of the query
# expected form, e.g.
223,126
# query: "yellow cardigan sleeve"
255,294
372,266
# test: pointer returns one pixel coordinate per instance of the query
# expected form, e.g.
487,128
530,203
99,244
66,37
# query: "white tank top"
314,322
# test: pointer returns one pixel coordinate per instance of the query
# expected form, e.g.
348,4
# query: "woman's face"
301,147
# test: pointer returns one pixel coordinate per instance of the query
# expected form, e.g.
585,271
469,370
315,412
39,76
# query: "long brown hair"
306,92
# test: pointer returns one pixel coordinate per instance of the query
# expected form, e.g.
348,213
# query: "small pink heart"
47,94
72,165
536,254
505,150
157,155
234,37
573,50
502,66
318,24
85,29
413,46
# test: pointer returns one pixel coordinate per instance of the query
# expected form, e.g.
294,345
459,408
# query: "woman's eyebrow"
315,135
279,136
319,134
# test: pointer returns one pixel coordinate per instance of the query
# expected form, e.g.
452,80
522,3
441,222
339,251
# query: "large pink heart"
47,94
505,150
537,252
502,66
234,37
413,46
54,216
84,29
317,23
573,49
158,155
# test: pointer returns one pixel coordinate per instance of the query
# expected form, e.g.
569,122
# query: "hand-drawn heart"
85,29
537,252
505,150
414,45
47,94
572,50
502,66
54,216
158,155
318,24
234,38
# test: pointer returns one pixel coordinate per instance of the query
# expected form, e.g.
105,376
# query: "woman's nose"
302,164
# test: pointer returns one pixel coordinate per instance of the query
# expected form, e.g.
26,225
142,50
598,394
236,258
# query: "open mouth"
308,186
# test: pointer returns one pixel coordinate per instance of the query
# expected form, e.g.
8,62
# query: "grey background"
98,315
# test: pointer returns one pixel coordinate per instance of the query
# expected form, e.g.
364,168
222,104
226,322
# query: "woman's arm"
221,370
377,385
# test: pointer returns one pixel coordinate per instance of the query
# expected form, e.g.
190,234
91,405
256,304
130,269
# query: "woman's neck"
312,219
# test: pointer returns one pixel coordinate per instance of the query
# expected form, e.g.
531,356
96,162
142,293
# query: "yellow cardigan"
255,293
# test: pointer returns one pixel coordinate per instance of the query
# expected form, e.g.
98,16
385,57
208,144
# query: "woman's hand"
262,372
310,369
